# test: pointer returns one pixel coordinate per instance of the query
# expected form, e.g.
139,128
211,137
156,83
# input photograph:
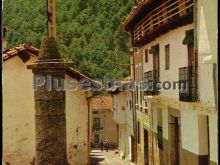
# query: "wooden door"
193,64
146,153
132,148
156,66
174,138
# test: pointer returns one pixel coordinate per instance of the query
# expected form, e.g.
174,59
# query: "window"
146,55
96,123
96,138
145,103
160,137
136,95
167,57
138,132
148,77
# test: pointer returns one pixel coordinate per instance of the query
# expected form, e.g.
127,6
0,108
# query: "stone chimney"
50,117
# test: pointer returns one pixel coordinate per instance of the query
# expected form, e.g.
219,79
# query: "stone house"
103,126
175,42
19,110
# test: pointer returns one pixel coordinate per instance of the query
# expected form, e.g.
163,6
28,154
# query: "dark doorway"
117,135
146,153
174,136
132,148
204,140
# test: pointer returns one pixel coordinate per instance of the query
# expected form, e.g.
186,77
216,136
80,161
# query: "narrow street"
110,82
98,157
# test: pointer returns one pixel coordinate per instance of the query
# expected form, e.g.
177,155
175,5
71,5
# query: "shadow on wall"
95,161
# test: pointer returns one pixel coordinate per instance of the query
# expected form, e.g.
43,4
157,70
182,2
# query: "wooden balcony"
188,85
169,15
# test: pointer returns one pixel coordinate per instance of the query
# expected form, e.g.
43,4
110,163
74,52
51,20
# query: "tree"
90,33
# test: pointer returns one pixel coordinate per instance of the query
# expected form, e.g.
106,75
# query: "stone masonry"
50,119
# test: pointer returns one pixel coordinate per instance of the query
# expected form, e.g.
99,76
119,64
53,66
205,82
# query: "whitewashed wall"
119,101
18,112
77,127
178,57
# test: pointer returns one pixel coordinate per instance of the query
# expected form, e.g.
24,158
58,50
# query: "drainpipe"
215,80
152,133
134,114
88,140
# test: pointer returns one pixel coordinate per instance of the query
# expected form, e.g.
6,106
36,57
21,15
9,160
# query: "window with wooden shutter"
96,123
138,132
146,55
167,57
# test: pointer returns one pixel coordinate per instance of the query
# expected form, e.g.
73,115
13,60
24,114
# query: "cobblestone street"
99,157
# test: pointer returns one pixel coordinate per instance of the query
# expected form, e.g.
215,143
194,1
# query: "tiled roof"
135,11
21,50
120,85
24,51
72,72
101,102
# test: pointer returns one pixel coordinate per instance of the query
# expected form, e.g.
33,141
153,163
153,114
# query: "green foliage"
90,32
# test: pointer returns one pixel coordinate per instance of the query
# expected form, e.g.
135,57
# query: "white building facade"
175,126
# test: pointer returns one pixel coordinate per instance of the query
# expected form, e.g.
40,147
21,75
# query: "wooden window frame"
160,137
94,123
138,133
167,57
146,55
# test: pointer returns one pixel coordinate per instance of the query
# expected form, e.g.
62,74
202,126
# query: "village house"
103,126
168,118
173,42
19,110
124,117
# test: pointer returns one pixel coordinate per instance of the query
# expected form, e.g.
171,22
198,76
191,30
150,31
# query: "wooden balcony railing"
188,85
164,14
151,79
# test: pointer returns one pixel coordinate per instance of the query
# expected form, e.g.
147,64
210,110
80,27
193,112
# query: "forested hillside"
90,32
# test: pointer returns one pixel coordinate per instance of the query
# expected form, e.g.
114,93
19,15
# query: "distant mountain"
90,32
